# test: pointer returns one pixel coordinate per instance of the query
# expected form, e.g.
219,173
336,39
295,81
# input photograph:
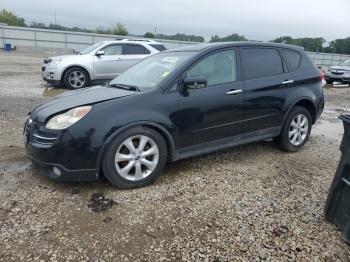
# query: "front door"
109,65
214,111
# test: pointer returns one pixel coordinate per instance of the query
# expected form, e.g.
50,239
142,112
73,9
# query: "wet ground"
251,202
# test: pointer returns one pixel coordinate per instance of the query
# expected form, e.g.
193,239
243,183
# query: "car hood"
71,99
342,68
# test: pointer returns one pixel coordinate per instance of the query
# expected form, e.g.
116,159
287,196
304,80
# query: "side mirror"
99,53
194,83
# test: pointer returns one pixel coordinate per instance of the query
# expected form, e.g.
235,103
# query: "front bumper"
51,74
57,158
345,77
65,175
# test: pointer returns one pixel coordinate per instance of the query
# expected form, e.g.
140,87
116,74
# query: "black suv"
177,104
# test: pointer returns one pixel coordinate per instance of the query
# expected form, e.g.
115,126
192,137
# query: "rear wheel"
296,130
75,78
135,158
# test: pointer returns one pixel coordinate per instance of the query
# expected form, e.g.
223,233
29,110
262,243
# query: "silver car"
340,73
98,63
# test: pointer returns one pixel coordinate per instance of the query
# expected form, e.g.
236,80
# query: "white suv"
98,63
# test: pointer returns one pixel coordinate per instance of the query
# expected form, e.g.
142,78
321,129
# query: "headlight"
68,118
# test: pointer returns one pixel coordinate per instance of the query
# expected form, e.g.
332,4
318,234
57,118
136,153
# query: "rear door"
133,53
266,80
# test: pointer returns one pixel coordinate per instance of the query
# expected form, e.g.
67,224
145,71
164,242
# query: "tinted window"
135,50
218,68
291,58
261,62
113,50
160,48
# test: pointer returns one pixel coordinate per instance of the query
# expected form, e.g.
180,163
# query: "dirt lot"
250,203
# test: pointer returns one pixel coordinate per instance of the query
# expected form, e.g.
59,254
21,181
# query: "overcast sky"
255,19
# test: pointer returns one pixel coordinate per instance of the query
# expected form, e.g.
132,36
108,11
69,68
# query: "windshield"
346,63
148,73
90,48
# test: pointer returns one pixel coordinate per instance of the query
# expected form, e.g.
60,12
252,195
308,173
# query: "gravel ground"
249,203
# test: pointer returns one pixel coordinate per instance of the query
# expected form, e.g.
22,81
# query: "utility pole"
155,32
55,19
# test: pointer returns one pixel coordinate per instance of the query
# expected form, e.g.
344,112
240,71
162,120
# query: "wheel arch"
160,129
306,103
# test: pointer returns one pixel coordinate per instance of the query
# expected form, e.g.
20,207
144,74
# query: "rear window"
130,49
291,58
160,48
261,62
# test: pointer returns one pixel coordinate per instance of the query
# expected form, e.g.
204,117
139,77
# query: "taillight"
321,76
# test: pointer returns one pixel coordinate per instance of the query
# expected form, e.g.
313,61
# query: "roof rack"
140,40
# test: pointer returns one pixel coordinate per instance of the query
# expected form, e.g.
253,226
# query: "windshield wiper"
125,87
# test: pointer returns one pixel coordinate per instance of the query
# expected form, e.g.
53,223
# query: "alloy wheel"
136,157
77,79
298,129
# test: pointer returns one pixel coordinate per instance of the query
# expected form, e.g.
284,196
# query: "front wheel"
76,78
135,158
296,130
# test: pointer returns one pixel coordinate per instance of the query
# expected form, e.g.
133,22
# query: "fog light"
56,171
51,75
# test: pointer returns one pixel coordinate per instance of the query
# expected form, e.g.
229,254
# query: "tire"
75,78
123,173
329,82
292,127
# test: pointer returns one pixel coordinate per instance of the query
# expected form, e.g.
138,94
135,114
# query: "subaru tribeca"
173,105
97,63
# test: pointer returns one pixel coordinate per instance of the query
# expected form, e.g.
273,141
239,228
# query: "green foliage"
10,18
120,29
340,46
149,35
309,44
230,38
182,37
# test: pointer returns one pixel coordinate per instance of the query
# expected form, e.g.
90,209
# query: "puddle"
100,203
329,125
52,91
14,173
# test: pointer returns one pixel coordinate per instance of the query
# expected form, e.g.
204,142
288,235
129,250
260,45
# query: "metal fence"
32,37
23,36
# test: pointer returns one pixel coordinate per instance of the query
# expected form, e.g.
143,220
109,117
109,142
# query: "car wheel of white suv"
75,78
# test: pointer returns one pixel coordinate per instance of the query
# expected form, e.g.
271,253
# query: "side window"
291,58
218,68
130,49
113,50
261,62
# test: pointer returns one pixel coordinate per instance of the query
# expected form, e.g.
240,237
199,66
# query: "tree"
309,44
149,35
10,18
120,29
182,37
37,25
340,46
230,38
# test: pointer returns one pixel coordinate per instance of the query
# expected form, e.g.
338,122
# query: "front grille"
337,72
47,61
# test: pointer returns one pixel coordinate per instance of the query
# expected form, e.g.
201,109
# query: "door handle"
234,92
287,82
